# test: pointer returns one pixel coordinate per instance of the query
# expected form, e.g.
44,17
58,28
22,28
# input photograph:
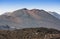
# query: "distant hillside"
30,33
55,14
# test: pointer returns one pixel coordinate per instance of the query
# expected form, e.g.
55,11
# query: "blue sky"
11,5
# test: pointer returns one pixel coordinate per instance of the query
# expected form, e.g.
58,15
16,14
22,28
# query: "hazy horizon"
11,5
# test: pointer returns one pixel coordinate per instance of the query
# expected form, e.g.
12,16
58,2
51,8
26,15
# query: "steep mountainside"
24,18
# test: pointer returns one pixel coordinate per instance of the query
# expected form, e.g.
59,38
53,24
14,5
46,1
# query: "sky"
47,5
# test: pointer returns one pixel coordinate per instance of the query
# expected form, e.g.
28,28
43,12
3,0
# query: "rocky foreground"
30,33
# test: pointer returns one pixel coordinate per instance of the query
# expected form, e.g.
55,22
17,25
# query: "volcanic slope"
24,18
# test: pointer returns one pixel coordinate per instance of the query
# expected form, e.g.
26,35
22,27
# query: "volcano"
24,18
